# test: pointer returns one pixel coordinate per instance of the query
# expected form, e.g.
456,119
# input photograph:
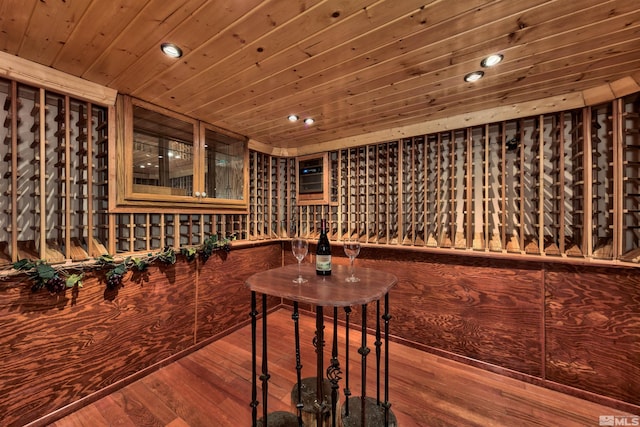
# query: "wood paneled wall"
573,328
55,351
592,325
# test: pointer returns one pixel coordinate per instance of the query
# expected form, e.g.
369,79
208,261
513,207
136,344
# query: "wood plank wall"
55,351
572,328
569,327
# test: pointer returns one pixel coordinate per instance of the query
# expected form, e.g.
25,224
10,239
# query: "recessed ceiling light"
473,77
293,118
171,50
492,60
308,121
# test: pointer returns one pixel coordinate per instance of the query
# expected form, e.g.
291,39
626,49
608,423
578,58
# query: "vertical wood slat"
618,178
438,229
486,192
43,170
587,220
469,183
340,189
352,190
223,225
427,183
254,190
414,191
372,187
521,231
367,232
288,204
14,171
202,228
67,176
256,221
401,188
132,232
147,223
561,188
452,193
111,245
270,228
503,186
162,231
388,193
113,133
401,218
541,184
91,247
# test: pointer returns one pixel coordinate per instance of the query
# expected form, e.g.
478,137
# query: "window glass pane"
224,176
162,154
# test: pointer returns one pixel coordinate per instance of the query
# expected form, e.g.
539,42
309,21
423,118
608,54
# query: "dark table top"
331,290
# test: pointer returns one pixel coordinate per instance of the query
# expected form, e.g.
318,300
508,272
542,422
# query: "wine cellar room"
140,192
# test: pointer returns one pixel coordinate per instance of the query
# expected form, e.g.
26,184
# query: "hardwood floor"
212,387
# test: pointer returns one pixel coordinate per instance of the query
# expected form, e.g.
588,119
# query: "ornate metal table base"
375,414
308,387
325,292
279,419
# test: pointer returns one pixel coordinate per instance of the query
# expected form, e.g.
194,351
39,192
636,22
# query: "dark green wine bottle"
323,252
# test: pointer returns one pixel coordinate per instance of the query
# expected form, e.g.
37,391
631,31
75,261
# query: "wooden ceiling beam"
21,70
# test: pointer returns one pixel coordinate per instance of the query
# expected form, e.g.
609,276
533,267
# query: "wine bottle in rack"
323,252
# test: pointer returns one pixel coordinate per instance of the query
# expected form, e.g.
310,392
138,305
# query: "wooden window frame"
128,199
319,198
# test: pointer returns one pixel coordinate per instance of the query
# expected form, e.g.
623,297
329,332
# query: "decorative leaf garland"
57,279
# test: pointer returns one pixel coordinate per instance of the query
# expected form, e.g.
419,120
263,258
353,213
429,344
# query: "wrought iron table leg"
254,387
296,317
347,391
364,351
320,403
265,370
378,344
333,370
386,317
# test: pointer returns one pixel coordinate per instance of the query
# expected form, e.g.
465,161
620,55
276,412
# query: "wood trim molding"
25,71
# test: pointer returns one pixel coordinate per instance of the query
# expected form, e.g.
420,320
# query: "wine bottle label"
323,262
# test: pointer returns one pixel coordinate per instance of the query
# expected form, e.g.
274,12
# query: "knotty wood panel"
55,351
592,328
223,299
481,309
581,336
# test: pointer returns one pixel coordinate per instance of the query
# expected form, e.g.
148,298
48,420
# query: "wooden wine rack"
272,195
562,185
628,109
542,186
54,173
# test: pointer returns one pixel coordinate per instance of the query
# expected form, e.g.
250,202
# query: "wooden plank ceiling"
355,66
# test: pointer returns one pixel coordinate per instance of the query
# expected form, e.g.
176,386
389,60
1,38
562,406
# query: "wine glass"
299,247
352,249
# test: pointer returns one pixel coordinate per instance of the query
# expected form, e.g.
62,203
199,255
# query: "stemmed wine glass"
299,247
352,249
